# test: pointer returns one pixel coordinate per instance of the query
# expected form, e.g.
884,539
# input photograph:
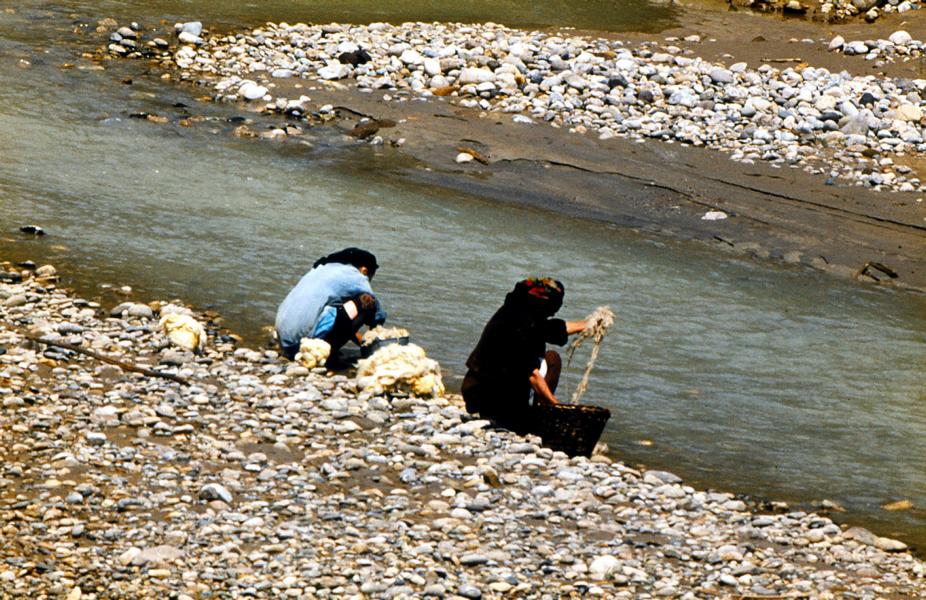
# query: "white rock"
194,28
603,566
855,47
475,75
837,43
720,75
890,545
128,556
411,57
334,70
432,67
251,91
189,38
215,491
909,112
714,215
900,38
825,103
464,157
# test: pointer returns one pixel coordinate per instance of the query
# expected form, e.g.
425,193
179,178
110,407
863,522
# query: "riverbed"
739,374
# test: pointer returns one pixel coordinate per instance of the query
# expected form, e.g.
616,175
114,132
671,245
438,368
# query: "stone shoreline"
844,128
262,479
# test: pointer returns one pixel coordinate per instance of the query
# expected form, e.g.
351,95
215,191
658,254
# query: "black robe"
513,344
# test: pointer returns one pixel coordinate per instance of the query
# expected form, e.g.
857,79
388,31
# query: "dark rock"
33,229
646,96
619,80
868,99
357,57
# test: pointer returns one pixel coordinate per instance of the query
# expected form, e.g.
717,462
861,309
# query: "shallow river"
744,376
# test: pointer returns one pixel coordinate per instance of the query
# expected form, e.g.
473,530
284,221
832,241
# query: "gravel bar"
845,128
262,479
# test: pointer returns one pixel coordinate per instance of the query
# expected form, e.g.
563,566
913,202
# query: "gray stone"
192,27
720,75
469,591
855,47
215,491
16,300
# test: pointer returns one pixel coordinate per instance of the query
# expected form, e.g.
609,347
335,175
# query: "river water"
739,375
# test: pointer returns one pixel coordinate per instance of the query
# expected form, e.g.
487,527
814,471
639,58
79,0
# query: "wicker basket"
571,428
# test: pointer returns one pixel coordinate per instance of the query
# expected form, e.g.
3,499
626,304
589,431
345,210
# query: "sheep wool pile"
383,333
183,331
400,369
313,352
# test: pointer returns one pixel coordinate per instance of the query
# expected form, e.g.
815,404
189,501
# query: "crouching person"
331,302
510,371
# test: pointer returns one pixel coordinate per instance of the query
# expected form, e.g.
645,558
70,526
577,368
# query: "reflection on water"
747,376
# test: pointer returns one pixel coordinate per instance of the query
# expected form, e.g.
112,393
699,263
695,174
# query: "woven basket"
571,428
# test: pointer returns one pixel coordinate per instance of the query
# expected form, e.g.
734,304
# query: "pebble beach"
848,129
259,478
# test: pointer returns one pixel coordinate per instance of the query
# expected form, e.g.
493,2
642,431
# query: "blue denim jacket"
325,286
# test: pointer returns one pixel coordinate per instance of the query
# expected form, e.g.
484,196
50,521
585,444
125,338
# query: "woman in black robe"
510,371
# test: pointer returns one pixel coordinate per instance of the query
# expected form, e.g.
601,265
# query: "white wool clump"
396,368
313,352
383,333
183,331
175,309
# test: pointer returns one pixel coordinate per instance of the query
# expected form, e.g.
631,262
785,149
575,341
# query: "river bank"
533,118
263,479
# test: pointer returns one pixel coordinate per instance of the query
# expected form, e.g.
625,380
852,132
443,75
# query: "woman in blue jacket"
331,302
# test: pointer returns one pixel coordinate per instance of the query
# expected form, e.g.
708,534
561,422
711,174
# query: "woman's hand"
573,327
542,391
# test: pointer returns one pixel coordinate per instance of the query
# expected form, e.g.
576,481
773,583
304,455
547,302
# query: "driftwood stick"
106,359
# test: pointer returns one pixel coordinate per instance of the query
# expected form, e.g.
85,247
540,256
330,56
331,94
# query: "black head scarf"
351,256
539,296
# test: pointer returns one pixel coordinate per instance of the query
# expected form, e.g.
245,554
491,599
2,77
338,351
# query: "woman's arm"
575,326
542,391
